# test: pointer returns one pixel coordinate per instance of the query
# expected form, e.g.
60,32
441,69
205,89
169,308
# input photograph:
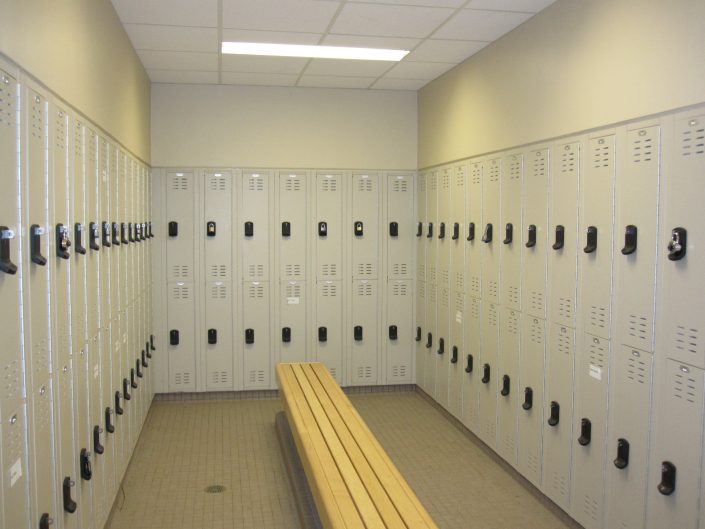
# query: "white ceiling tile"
331,81
471,24
308,16
272,37
364,41
418,70
348,68
259,79
178,60
525,6
182,77
399,84
445,50
389,20
257,64
427,3
172,38
203,13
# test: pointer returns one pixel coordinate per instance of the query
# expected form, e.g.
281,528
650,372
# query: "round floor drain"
215,489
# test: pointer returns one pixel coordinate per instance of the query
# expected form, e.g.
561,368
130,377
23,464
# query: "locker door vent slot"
219,292
693,142
684,387
330,290
255,183
220,378
364,289
364,269
638,327
256,376
6,265
399,269
399,371
255,270
182,379
219,271
565,308
179,183
255,291
597,354
364,373
591,508
180,291
400,185
293,270
687,340
642,149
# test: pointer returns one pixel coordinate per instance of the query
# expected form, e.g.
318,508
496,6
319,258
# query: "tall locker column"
457,234
431,316
445,177
420,288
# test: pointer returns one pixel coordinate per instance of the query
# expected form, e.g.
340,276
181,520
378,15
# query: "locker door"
442,345
115,202
509,230
597,197
255,314
217,231
475,227
106,249
490,232
364,357
293,204
430,335
329,326
591,378
637,193
420,311
430,339
255,216
507,379
558,415
15,491
400,210
530,393
180,337
329,226
472,367
365,237
456,368
180,218
629,416
399,314
93,234
488,374
534,232
457,301
432,184
677,434
294,330
420,336
218,336
563,254
421,226
445,178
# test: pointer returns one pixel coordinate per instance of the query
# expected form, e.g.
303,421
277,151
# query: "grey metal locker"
93,231
558,414
530,390
328,333
180,340
116,300
474,229
490,233
457,289
329,226
472,367
292,226
420,350
597,203
562,261
217,229
510,229
218,336
41,461
365,226
421,226
95,417
432,221
489,373
456,372
124,174
293,311
257,366
507,384
15,487
430,338
675,470
589,431
399,333
180,219
401,229
442,345
106,246
364,357
627,479
442,336
444,230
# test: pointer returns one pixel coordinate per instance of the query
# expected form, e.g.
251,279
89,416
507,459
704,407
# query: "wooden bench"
353,481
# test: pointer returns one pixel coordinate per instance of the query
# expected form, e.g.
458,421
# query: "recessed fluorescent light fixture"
316,52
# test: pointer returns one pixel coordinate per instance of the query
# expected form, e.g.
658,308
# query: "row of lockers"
559,315
264,265
75,310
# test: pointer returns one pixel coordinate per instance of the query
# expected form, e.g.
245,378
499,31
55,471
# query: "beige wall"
577,65
79,50
201,125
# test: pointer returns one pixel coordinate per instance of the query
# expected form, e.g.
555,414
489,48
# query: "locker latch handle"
555,413
35,238
358,229
322,229
286,334
109,426
560,238
118,409
144,356
69,504
322,334
130,232
419,229
393,332
429,234
249,336
116,234
212,336
454,354
394,229
106,234
6,264
85,464
622,459
174,337
78,238
677,244
505,386
585,432
508,233
456,231
528,399
151,233
45,521
630,233
469,364
591,245
357,333
441,346
286,229
151,345
418,334
531,236
63,243
97,447
93,236
138,368
429,340
138,232
133,382
668,478
143,231
471,232
442,230
485,374
249,229
123,233
487,235
125,393
173,228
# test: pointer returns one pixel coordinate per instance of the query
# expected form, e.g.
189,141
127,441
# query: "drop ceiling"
178,41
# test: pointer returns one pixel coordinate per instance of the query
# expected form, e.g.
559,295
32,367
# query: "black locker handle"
109,426
508,233
630,238
323,229
505,386
143,231
591,243
429,234
210,228
487,235
69,504
144,357
85,464
138,368
357,333
358,228
322,334
393,332
418,334
585,432
151,233
115,234
45,521
6,264
106,234
174,337
441,346
286,229
528,399
97,447
429,340
677,244
151,345
63,243
93,236
212,336
442,230
118,408
78,238
286,334
249,229
469,364
125,386
454,355
456,231
394,229
419,229
555,413
471,232
130,232
138,234
668,478
485,374
560,238
123,233
35,238
622,459
133,382
531,236
249,336
173,228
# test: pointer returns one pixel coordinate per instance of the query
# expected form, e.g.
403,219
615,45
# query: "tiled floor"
190,445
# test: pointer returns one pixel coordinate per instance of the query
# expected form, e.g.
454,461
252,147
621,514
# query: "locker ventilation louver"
333,371
36,117
597,353
329,184
399,269
638,327
421,184
421,290
475,309
513,295
421,270
365,269
77,139
179,183
292,184
255,183
642,148
256,376
536,301
492,316
591,508
217,183
559,484
565,308
636,369
220,378
564,343
476,172
445,297
432,274
329,269
60,131
329,290
292,270
219,292
459,281
684,387
693,141
255,270
445,181
459,301
459,178
180,271
7,102
293,291
40,356
364,185
218,270
475,285
444,277
598,317
493,175
11,375
364,372
180,292
513,324
432,294
568,160
399,289
43,412
364,289
602,154
539,166
400,186
515,168
399,371
492,289
532,463
255,292
686,340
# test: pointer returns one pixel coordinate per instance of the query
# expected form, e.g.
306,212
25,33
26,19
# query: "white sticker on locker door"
596,372
459,317
292,301
15,472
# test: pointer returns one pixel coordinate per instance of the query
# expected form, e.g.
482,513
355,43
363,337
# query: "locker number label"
459,317
596,372
15,472
292,301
